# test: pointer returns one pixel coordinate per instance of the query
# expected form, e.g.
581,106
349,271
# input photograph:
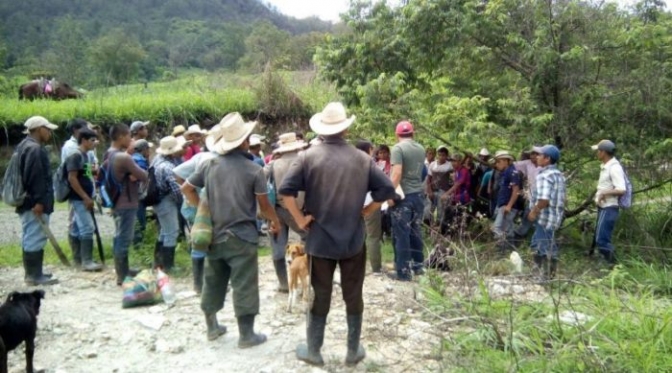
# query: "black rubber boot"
88,265
248,338
214,329
76,250
197,270
158,254
356,352
543,270
281,271
168,258
309,352
538,264
32,264
553,269
122,270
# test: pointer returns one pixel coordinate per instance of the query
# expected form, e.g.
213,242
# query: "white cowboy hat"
178,130
256,139
37,122
231,131
484,152
288,143
170,145
503,154
331,120
195,129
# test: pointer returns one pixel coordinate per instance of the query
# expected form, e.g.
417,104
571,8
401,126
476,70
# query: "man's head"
534,153
484,155
606,150
171,146
404,130
76,125
365,146
86,139
179,130
548,154
39,128
456,159
299,136
254,143
503,159
383,152
139,130
194,134
442,154
120,135
143,147
430,154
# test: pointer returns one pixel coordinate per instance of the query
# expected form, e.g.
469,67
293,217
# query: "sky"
329,10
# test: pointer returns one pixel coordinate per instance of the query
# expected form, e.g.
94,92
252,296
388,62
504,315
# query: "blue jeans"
34,239
82,221
167,213
124,222
503,227
543,242
525,224
606,221
406,229
189,214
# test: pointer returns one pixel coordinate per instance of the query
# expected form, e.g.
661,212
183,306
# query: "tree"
67,57
116,57
265,44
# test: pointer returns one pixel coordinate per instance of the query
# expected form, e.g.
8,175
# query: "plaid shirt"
163,171
550,186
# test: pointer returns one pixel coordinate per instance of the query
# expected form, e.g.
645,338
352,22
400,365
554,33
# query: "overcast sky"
329,10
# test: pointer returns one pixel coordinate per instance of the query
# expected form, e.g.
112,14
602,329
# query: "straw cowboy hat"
170,145
256,139
195,129
288,143
178,130
331,120
231,131
503,154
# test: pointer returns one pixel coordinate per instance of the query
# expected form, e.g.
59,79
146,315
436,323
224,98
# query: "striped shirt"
550,186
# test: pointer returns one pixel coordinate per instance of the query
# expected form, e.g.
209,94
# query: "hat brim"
509,157
536,149
223,147
201,132
325,129
594,147
175,149
291,147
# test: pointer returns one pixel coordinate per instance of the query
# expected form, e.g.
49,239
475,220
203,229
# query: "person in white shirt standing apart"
610,186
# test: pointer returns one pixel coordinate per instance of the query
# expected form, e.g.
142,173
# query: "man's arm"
190,194
35,185
515,191
136,172
395,174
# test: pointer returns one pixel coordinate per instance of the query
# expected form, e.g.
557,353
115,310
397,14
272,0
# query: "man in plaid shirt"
547,211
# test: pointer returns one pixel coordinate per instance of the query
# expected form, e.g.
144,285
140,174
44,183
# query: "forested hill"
31,27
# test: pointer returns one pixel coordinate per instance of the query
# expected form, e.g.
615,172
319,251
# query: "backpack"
110,188
61,184
625,199
153,193
13,192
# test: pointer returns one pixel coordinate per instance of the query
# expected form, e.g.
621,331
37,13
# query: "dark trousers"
406,228
352,281
606,221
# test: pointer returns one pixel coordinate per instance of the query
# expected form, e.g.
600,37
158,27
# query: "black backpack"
153,193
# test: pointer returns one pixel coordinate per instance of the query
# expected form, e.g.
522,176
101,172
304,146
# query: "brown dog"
297,262
18,323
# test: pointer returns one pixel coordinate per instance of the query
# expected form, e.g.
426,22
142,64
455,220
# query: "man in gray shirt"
234,185
336,178
407,160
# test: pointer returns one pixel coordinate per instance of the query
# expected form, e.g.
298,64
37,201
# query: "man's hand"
88,203
132,178
390,203
370,209
507,209
430,195
274,227
532,216
444,197
304,222
38,210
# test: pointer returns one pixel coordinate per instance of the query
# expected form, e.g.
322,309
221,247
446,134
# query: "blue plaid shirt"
550,186
165,180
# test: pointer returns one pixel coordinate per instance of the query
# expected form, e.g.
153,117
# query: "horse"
47,89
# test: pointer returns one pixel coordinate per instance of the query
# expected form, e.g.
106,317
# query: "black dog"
18,323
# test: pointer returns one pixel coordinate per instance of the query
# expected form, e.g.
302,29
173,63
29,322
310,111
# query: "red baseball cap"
404,128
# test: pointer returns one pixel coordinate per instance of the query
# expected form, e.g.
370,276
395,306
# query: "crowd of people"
340,199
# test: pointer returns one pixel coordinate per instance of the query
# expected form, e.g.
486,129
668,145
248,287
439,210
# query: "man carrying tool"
80,178
39,202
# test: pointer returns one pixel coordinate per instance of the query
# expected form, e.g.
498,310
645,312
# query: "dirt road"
82,328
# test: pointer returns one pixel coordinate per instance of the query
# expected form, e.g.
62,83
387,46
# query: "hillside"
32,28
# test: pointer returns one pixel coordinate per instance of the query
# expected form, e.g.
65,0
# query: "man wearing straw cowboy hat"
336,178
167,210
194,134
286,153
234,186
507,208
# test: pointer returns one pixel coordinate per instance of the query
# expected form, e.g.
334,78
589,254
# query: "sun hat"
606,145
484,152
142,144
138,125
37,122
289,142
170,145
332,120
256,140
404,128
194,129
551,151
231,131
457,157
503,154
178,130
442,147
537,149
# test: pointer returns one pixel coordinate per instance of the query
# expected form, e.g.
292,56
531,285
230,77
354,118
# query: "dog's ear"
11,296
39,294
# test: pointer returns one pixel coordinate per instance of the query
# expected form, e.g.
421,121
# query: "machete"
54,243
98,240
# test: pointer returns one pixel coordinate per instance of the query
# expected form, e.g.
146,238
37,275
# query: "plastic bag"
141,290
